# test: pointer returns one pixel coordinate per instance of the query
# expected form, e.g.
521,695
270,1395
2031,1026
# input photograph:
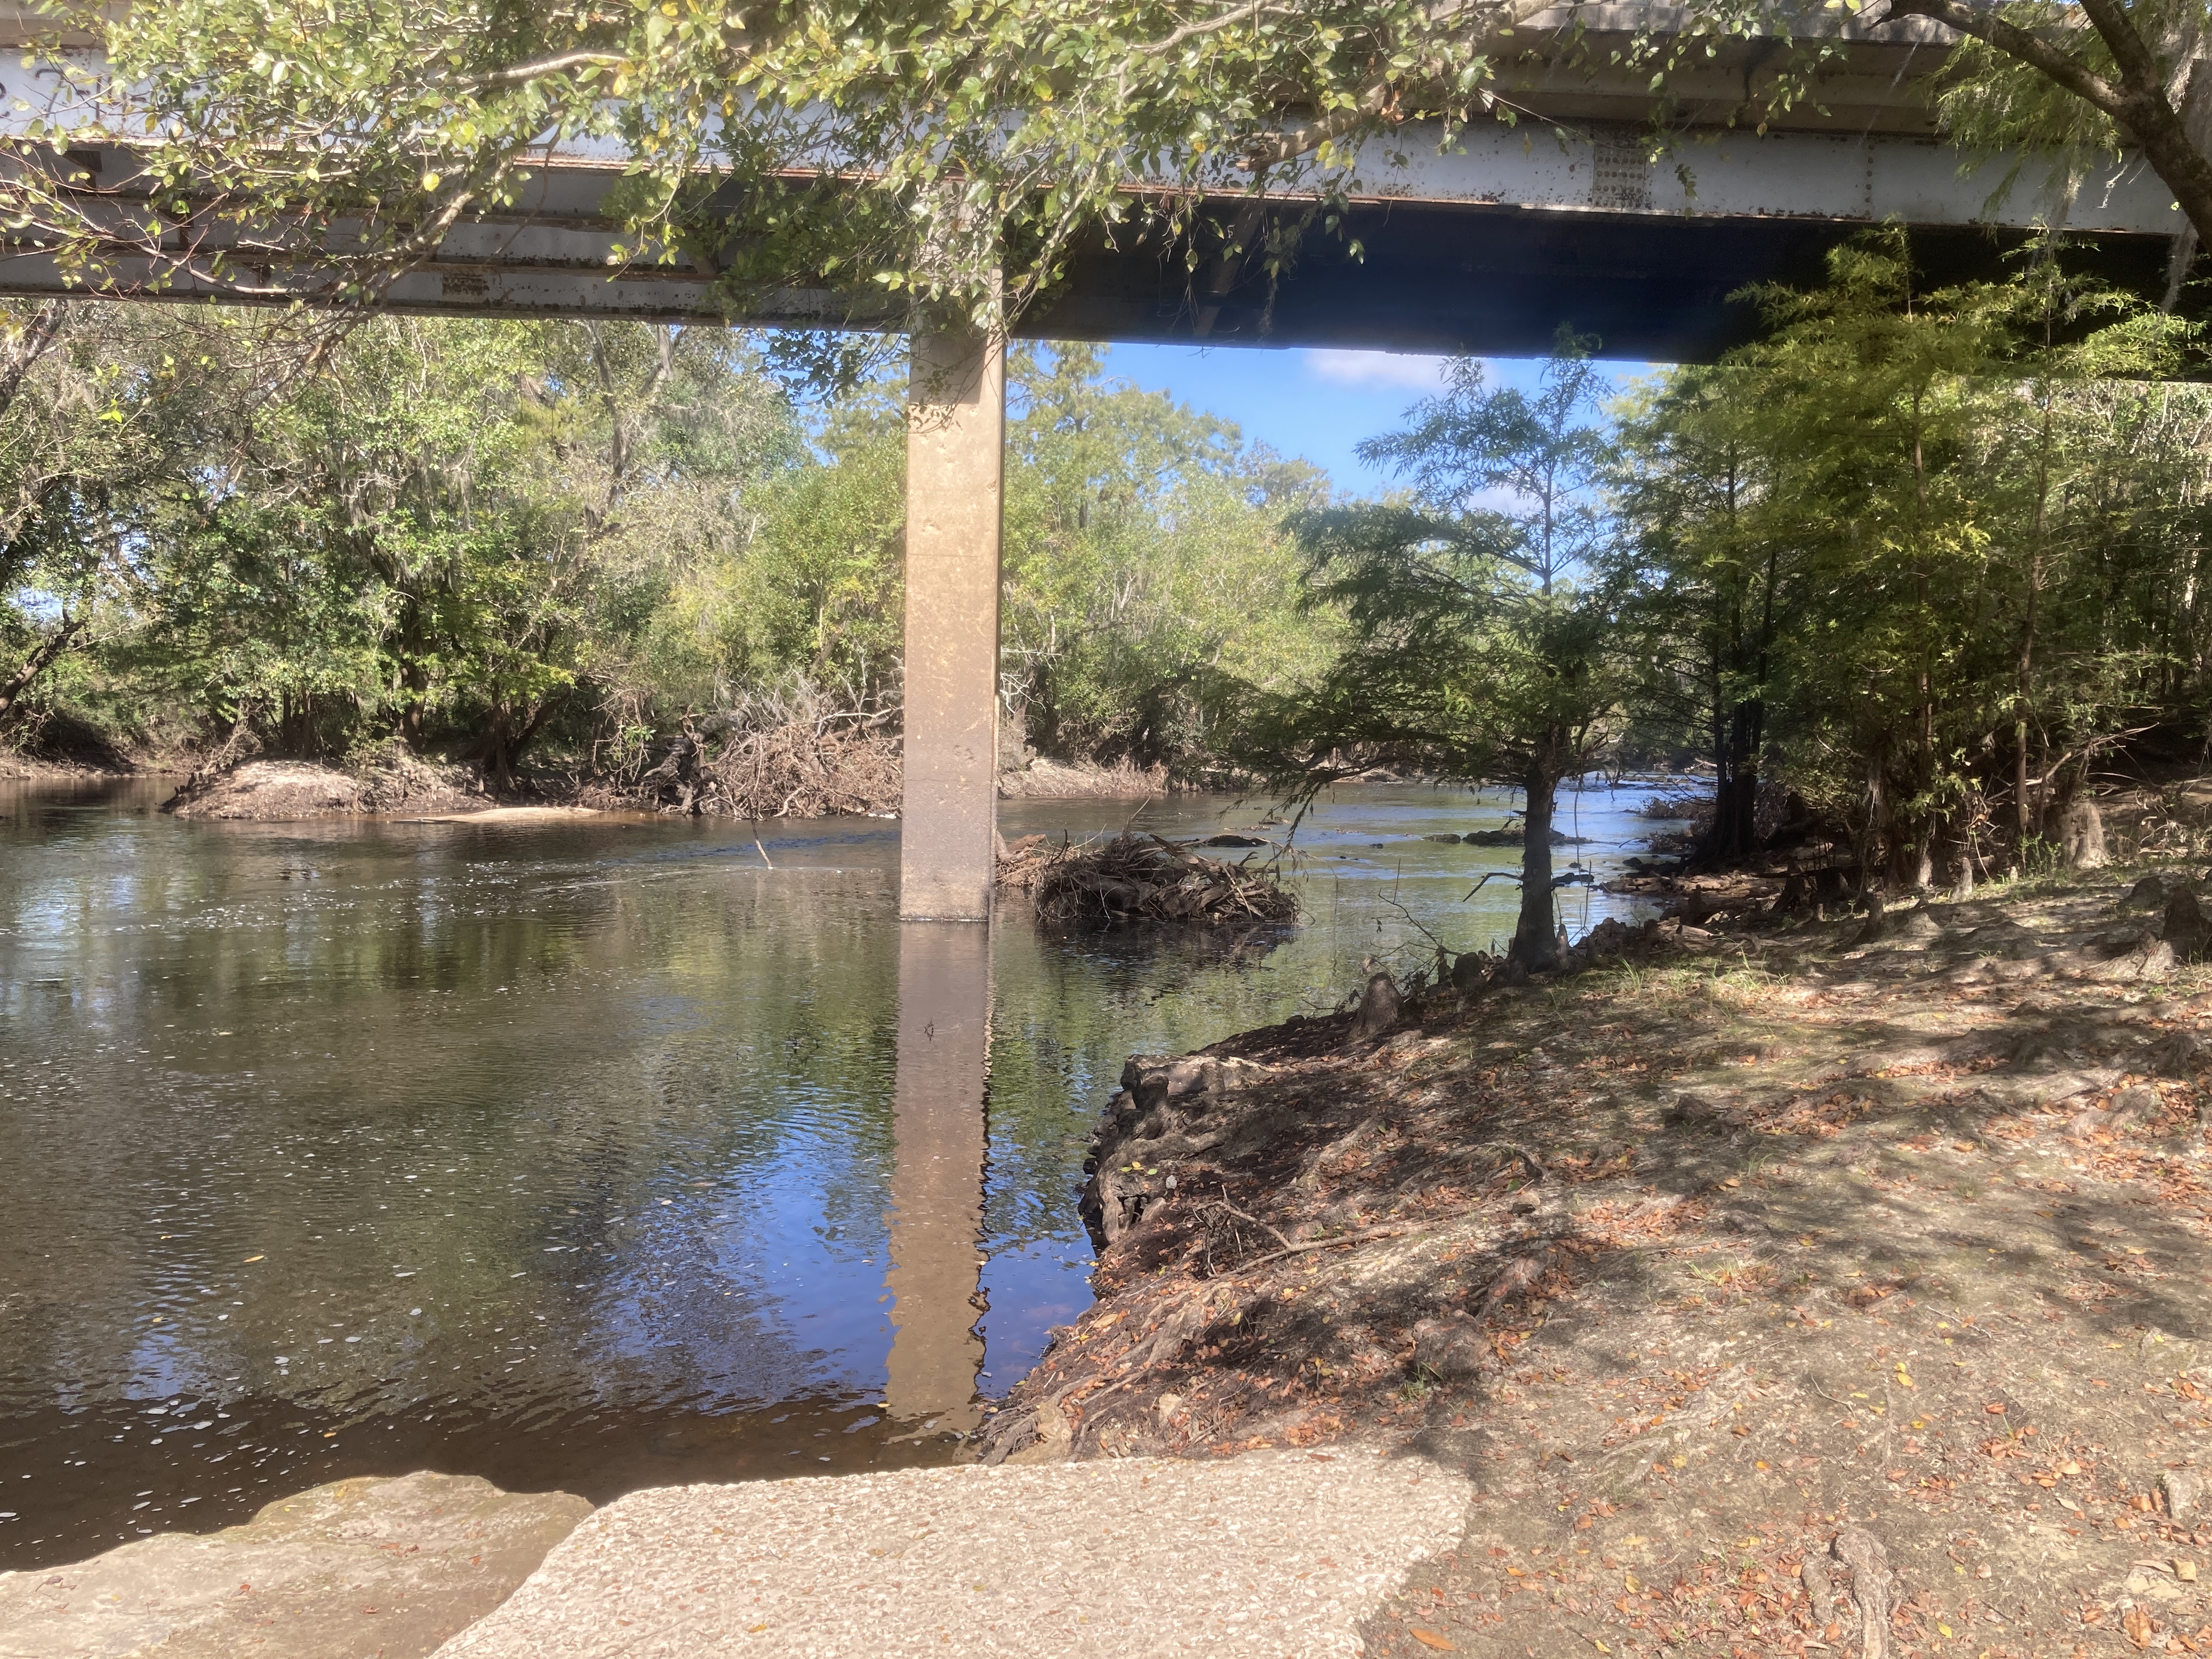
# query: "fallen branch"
1362,1236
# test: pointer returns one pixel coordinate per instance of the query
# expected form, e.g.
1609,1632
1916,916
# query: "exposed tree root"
1786,1291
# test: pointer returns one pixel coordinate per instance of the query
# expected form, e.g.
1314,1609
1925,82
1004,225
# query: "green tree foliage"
947,144
478,539
1704,569
102,426
1482,633
1923,554
448,532
1147,564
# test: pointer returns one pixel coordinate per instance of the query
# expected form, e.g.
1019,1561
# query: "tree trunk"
2025,816
36,663
1874,841
411,632
1962,863
504,739
1536,940
1735,832
2134,97
298,724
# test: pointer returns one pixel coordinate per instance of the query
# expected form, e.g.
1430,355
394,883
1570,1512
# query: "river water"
593,1155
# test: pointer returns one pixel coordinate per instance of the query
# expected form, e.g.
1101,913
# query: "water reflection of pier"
936,1185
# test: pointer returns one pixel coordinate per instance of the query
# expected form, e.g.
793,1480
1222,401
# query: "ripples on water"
587,1156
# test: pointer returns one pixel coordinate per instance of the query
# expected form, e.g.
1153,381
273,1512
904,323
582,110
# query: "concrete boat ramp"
1272,1555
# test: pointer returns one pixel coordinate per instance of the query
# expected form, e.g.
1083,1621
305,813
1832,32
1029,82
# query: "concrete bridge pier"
937,1181
955,478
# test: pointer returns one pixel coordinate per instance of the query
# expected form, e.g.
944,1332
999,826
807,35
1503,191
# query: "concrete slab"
365,1569
1272,1555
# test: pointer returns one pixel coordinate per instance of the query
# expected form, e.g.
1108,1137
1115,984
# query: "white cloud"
1389,369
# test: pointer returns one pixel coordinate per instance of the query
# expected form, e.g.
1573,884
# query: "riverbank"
68,753
388,784
1716,1270
35,768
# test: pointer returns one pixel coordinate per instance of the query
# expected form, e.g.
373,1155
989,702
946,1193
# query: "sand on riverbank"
1714,1271
503,814
275,791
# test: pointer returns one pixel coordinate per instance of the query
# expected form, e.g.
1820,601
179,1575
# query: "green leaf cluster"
503,541
1925,556
884,151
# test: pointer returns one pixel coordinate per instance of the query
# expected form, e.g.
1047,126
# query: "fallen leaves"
1659,1281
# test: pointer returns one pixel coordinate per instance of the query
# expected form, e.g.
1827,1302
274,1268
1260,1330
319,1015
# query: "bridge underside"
1500,281
1486,246
1492,281
1495,282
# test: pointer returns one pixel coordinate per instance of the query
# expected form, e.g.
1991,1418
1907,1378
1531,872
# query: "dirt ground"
1787,1291
31,769
268,789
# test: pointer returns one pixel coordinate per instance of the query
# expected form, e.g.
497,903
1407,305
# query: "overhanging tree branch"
2138,105
42,657
2138,69
2017,43
521,75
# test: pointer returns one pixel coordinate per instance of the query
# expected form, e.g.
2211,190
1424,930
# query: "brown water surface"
588,1154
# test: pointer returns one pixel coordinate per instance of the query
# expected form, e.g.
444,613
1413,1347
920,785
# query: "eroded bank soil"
1783,1293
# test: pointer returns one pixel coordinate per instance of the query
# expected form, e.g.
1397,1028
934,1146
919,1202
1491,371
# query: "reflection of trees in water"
1162,957
1070,1007
649,1033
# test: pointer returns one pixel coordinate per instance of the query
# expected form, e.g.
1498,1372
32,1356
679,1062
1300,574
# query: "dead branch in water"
1141,878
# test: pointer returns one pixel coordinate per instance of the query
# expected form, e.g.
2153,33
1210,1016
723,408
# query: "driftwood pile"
807,768
800,755
1135,877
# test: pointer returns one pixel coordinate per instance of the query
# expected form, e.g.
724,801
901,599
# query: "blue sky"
1318,404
